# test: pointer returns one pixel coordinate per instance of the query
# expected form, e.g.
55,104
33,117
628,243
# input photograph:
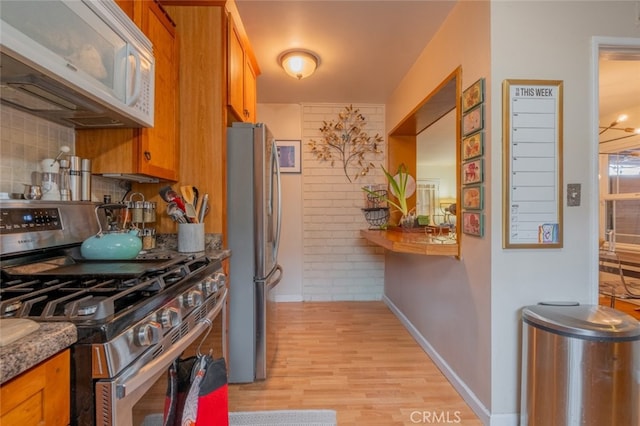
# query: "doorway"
617,87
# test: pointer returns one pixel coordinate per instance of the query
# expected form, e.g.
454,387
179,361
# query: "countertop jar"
148,238
149,212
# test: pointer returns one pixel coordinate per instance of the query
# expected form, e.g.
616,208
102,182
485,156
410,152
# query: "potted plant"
401,186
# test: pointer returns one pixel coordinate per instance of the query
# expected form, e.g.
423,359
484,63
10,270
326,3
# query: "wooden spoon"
188,195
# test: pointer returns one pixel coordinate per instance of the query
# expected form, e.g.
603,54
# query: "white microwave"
81,63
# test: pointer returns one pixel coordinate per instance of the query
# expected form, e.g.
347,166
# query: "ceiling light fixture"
633,131
620,119
299,63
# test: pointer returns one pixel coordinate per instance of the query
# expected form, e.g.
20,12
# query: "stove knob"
148,334
170,317
208,286
192,299
221,278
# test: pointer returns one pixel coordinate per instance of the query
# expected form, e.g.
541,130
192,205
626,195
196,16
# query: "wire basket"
376,199
376,217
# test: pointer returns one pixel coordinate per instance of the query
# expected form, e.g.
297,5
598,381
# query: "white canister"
190,237
49,179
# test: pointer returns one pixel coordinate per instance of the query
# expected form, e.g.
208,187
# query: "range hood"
81,64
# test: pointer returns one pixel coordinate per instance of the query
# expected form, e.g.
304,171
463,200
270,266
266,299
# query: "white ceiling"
620,94
366,47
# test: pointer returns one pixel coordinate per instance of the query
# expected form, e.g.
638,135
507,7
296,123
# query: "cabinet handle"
147,155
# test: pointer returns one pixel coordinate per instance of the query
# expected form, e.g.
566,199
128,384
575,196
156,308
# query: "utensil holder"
190,237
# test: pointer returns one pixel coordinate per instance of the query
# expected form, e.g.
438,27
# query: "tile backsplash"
25,140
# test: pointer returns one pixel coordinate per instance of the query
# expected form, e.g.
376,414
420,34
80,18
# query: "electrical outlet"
573,194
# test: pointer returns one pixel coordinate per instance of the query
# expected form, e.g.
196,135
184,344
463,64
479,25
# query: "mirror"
428,141
436,170
619,148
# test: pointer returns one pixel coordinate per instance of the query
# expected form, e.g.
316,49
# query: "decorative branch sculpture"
347,142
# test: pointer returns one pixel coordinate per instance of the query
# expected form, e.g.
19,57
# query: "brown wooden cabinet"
250,91
149,152
241,94
621,305
204,92
39,396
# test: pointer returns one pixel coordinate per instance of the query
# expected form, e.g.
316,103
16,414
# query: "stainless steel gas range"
133,317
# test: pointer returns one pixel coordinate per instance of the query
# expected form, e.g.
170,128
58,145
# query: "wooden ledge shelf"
413,243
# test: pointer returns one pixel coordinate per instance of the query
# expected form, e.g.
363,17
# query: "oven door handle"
143,370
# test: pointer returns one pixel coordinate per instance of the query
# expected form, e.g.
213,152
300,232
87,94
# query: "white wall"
338,263
533,40
446,302
321,251
547,40
284,121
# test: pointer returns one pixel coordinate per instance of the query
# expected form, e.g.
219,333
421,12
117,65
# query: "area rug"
283,418
268,418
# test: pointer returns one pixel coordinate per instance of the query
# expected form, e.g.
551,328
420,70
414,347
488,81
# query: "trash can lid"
583,321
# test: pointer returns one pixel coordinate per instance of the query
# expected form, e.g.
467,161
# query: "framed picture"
473,223
473,197
290,156
472,172
473,146
473,120
473,95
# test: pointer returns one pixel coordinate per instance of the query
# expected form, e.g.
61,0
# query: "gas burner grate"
90,299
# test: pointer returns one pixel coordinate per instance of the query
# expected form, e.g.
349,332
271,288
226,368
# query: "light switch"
573,194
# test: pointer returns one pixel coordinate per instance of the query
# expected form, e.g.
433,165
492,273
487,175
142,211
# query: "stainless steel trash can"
580,366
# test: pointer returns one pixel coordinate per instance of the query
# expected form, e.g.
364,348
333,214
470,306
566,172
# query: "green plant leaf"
399,188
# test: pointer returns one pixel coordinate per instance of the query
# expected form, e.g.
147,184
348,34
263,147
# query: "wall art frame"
473,197
473,120
473,172
289,156
532,163
473,95
473,146
473,223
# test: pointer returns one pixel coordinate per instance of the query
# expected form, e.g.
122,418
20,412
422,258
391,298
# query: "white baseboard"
505,419
288,298
469,397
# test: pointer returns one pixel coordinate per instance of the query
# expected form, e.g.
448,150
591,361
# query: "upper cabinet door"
241,84
149,153
235,72
159,153
250,95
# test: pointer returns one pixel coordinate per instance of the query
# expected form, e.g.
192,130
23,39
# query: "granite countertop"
168,243
32,349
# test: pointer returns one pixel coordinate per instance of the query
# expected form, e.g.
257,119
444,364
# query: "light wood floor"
355,358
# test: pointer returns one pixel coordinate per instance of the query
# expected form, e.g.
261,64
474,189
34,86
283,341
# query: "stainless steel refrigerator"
253,234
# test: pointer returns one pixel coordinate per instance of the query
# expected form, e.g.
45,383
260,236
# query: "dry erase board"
532,163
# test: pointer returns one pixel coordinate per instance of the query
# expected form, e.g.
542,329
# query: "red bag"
197,393
213,396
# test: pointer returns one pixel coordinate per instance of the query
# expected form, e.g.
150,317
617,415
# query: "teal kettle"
116,244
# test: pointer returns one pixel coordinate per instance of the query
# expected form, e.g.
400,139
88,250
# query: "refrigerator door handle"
274,155
275,282
268,281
